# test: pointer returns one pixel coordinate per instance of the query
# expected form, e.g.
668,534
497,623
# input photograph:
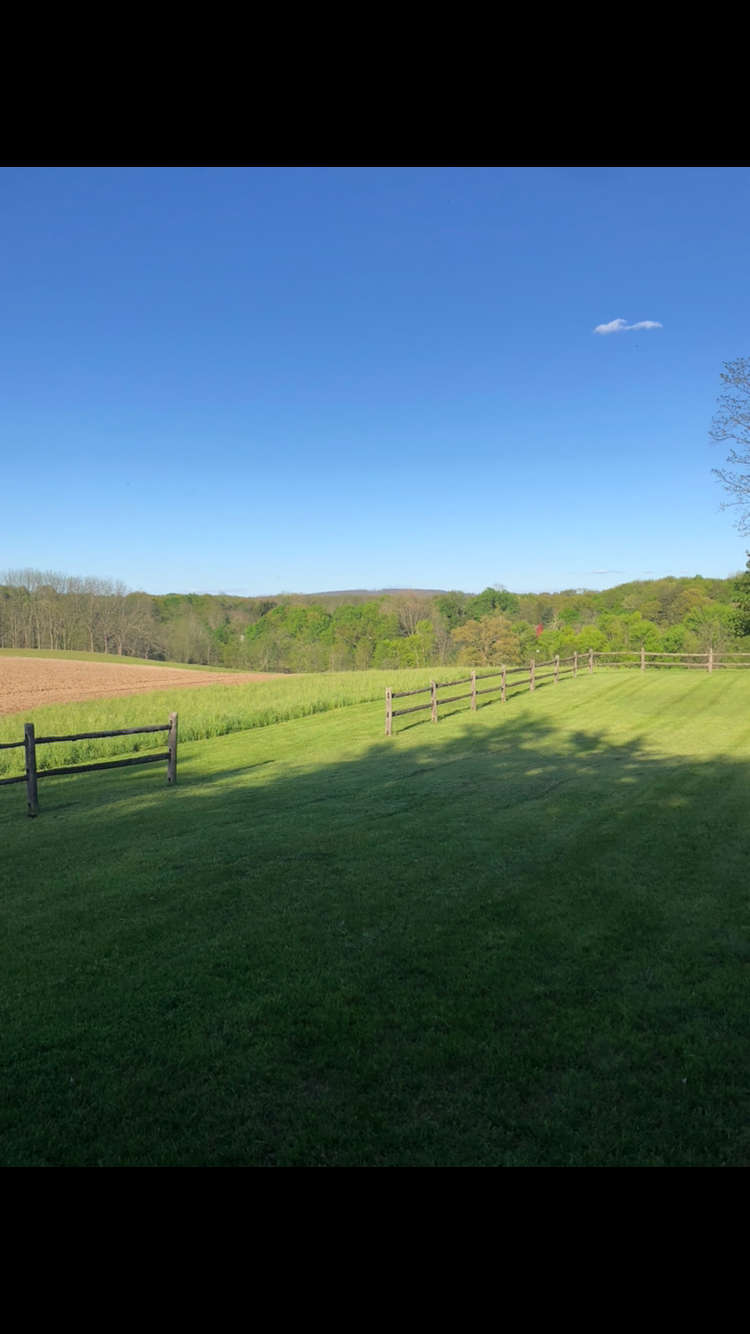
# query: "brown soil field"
26,683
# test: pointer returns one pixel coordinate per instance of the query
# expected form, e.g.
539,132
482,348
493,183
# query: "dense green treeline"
41,609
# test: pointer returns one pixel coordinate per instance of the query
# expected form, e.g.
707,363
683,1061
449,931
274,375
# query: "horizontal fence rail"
32,774
507,679
96,736
642,659
711,661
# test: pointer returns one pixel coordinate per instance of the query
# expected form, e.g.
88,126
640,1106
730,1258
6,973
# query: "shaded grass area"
519,938
206,711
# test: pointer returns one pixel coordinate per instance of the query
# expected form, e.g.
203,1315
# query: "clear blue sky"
305,378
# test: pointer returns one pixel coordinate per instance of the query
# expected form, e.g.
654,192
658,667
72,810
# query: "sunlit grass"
206,711
79,655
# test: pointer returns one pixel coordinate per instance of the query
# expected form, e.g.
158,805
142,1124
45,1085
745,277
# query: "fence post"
388,711
557,668
533,676
172,749
502,697
473,692
643,657
32,799
710,660
575,663
433,701
591,660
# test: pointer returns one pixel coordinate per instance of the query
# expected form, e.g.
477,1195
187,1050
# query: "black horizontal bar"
445,685
5,781
398,713
94,736
452,699
11,745
401,694
109,764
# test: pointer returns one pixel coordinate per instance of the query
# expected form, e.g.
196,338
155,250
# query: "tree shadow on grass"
493,946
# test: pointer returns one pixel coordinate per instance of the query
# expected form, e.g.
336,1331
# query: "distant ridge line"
361,593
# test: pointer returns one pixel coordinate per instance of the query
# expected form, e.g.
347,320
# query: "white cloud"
615,326
622,326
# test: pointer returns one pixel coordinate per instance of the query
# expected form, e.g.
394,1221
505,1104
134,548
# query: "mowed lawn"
515,938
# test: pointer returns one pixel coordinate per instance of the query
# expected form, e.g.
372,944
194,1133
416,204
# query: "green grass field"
517,938
76,655
206,711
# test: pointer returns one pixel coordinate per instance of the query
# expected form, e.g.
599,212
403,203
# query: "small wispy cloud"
603,571
622,326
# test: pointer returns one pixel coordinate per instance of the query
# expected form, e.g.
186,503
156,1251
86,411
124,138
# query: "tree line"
49,610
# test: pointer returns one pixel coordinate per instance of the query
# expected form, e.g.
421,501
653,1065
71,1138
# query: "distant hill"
365,593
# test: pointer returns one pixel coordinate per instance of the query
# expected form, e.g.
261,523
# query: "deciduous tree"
731,425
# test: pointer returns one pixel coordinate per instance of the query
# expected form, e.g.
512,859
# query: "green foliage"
492,600
331,634
489,641
741,591
565,642
452,608
712,626
628,631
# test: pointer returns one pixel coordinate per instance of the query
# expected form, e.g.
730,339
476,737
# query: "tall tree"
742,603
487,642
731,425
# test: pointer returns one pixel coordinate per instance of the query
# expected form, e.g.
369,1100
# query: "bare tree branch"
731,422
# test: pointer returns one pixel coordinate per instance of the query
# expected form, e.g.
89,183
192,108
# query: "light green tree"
488,642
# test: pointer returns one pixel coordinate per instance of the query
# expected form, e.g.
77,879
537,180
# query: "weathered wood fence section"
32,775
507,677
712,661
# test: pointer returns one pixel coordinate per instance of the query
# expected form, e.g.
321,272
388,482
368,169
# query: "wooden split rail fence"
32,774
696,662
507,681
612,658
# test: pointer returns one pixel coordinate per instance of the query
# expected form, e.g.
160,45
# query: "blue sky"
297,379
